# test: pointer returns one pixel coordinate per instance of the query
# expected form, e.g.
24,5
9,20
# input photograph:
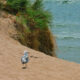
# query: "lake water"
66,28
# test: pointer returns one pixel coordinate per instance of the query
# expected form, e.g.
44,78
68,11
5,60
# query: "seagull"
25,58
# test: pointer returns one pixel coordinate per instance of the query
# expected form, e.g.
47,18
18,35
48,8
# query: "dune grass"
32,24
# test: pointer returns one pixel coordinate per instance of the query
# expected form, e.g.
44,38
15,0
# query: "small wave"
63,1
67,37
66,24
72,37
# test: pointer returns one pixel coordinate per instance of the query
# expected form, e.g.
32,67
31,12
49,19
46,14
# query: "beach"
40,66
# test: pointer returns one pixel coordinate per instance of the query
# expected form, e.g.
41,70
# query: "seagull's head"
26,53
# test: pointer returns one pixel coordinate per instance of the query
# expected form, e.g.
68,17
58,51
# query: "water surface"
66,28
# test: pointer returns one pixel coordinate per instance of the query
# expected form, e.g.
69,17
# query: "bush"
32,24
38,5
35,15
18,5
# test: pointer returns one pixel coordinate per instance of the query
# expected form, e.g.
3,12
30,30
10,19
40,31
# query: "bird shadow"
33,57
24,67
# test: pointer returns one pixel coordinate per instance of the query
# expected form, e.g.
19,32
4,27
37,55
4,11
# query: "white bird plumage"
25,58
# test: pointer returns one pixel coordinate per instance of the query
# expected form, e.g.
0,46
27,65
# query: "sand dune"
40,66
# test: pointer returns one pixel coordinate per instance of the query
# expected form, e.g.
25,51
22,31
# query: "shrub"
38,5
32,24
35,15
18,5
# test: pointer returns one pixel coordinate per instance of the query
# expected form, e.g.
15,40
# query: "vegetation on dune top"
34,14
32,24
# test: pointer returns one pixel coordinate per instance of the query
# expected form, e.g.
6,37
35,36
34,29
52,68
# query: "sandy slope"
40,67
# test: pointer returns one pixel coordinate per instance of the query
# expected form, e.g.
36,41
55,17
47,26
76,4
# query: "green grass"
32,24
35,15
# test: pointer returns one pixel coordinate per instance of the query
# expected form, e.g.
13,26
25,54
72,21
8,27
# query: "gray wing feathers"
24,59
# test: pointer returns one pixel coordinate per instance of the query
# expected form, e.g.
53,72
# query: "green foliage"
43,19
38,5
18,5
32,23
21,20
34,15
